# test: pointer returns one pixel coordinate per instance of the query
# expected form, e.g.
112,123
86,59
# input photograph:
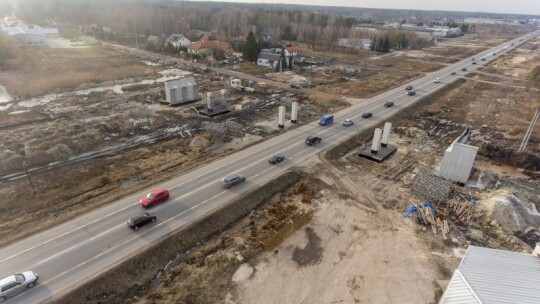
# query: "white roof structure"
32,31
491,276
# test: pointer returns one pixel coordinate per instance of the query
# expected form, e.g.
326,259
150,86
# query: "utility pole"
28,176
340,80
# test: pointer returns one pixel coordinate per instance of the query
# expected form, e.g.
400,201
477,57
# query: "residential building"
155,40
178,40
291,51
489,276
267,33
205,48
269,60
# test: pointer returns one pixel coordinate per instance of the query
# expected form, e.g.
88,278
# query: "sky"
529,7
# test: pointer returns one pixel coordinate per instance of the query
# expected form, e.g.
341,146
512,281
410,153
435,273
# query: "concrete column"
223,95
386,134
376,141
294,112
281,117
209,101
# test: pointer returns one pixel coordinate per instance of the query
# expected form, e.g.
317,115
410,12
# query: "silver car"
232,180
17,283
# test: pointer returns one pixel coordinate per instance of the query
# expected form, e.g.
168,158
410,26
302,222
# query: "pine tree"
251,48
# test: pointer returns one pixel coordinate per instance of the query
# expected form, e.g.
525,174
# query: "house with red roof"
207,47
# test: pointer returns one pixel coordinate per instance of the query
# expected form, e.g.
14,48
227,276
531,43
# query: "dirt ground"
343,220
74,132
39,71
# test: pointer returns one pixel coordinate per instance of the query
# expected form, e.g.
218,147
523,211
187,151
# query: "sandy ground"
353,251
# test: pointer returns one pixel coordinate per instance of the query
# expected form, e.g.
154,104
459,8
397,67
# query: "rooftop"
495,276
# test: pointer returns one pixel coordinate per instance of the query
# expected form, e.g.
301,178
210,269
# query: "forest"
319,28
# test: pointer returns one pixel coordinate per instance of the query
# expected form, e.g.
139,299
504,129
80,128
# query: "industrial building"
31,36
495,276
458,159
182,90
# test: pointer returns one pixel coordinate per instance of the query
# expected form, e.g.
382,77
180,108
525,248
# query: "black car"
464,69
367,115
276,159
483,59
389,104
409,87
453,73
313,140
474,62
411,93
140,220
232,180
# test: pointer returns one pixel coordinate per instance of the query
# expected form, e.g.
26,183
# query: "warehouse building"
489,276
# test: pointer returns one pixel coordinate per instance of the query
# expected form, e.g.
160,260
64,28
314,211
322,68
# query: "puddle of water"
4,96
236,143
173,73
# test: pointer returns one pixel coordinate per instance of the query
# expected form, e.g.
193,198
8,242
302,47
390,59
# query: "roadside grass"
253,69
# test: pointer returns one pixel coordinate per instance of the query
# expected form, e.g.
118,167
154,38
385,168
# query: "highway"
68,254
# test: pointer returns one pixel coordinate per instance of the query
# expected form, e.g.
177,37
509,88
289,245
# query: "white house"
178,40
291,51
269,60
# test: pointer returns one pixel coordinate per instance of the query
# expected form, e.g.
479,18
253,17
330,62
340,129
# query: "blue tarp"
413,208
410,211
472,200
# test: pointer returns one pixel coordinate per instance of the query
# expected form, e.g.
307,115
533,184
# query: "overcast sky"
531,7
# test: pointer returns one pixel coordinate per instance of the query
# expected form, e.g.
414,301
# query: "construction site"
375,228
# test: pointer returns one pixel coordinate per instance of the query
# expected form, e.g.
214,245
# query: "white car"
347,122
17,283
437,80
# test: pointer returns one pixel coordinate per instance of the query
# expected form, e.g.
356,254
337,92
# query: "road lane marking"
371,104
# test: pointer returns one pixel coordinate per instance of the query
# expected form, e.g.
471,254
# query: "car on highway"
389,104
483,59
409,87
367,115
232,180
453,73
313,140
437,80
411,93
494,54
276,159
474,62
348,122
154,197
140,220
464,69
17,283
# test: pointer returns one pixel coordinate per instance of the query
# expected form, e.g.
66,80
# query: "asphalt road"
68,254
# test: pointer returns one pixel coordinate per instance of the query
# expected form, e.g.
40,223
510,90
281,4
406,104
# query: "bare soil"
38,71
